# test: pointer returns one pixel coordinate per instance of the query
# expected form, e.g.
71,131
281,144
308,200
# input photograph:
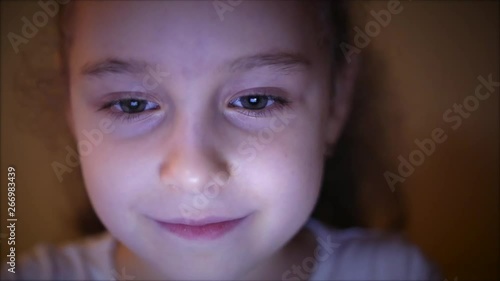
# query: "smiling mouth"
207,229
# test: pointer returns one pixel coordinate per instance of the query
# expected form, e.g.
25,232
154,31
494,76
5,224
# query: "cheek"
108,183
286,174
284,179
114,173
291,186
110,167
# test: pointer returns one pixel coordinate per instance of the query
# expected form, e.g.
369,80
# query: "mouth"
206,229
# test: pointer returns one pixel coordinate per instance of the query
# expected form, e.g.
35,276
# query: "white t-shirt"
351,254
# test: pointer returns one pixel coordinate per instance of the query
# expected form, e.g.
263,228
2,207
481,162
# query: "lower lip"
209,231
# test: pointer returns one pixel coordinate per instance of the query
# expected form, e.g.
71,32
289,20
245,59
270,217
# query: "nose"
193,160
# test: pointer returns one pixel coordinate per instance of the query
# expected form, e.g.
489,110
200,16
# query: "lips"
206,229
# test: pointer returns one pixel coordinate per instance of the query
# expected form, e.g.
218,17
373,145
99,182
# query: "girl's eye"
130,109
132,106
257,105
253,102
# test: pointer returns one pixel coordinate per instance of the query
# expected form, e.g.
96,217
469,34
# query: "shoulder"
86,259
363,254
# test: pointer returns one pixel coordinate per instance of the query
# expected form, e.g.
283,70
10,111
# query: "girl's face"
191,113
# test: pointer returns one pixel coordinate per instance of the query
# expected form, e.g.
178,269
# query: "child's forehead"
180,29
269,14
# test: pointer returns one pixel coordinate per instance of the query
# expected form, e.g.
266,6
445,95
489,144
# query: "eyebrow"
115,66
281,61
